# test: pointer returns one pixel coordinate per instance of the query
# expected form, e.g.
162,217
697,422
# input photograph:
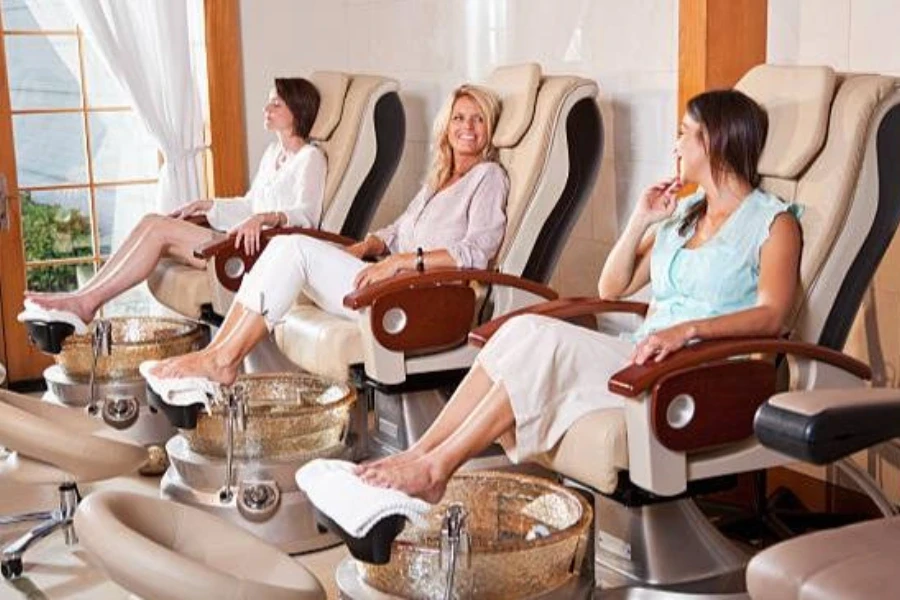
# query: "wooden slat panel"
719,40
226,97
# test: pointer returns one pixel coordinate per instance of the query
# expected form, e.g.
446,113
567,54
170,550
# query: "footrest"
48,336
375,546
182,417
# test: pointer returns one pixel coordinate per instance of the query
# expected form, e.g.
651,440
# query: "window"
85,164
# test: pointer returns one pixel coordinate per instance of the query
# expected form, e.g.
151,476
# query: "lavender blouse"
467,219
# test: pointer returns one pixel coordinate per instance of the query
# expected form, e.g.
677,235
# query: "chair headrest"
798,102
332,88
517,87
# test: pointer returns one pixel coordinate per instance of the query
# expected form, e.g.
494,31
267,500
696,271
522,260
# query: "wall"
856,36
431,46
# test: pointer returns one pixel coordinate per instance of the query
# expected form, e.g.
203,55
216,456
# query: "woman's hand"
658,201
384,269
358,249
197,207
248,233
662,343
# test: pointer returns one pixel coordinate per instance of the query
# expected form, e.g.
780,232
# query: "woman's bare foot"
394,460
73,303
204,363
421,478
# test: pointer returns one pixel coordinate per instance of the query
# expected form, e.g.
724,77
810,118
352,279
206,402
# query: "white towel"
180,391
34,312
351,503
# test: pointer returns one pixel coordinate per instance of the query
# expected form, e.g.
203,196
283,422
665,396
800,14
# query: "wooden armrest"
562,308
634,380
438,277
218,246
231,264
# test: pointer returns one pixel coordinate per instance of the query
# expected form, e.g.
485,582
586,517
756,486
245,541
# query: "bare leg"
154,237
471,390
219,361
426,476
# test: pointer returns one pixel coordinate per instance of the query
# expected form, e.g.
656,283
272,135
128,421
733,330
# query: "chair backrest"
550,136
361,127
833,147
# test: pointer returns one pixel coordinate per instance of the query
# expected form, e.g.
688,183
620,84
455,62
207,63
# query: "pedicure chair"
165,551
44,444
409,339
361,128
687,422
848,563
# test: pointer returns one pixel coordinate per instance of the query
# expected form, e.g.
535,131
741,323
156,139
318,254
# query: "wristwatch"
420,260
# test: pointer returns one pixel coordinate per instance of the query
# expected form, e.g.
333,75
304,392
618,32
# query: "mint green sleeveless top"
719,277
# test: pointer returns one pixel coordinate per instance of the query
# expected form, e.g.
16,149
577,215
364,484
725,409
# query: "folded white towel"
180,391
34,312
351,503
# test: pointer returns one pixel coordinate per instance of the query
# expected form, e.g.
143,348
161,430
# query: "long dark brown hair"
302,99
734,129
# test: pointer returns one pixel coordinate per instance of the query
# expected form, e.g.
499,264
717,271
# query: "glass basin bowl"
527,535
134,340
287,414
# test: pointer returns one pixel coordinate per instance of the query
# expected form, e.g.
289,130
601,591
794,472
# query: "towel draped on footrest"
180,391
352,504
36,313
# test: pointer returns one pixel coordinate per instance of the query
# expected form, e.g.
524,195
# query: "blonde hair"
442,162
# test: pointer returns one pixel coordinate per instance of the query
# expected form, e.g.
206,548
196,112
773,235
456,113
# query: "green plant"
51,231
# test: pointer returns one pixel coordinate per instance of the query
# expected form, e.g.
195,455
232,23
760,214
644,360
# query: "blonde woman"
456,220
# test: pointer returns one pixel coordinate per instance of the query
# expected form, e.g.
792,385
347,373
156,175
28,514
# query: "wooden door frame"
229,170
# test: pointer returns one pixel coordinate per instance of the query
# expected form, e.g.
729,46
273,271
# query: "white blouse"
297,189
468,218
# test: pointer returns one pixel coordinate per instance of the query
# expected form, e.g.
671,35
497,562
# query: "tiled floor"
55,571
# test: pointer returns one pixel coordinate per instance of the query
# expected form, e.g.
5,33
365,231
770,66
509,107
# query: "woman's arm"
627,268
778,279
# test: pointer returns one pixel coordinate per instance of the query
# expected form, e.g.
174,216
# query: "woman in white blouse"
456,220
288,189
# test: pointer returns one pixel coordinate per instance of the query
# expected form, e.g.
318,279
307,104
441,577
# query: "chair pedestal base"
50,521
665,544
401,419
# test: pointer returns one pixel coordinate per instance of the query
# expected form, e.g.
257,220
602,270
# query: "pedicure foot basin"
494,535
239,460
98,372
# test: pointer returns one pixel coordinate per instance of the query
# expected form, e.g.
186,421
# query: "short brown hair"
302,99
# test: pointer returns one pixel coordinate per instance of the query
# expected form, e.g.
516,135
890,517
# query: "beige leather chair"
857,562
361,128
166,551
49,444
833,144
409,338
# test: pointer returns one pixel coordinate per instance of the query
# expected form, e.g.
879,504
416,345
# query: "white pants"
295,264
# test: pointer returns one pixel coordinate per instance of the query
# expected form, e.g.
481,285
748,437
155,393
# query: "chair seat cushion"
159,549
855,562
319,342
182,288
592,451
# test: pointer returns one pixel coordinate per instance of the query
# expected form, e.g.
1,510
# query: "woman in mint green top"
723,262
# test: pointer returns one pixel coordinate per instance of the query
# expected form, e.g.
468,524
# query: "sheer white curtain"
146,46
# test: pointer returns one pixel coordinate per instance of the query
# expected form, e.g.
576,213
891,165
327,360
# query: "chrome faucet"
454,544
235,417
101,345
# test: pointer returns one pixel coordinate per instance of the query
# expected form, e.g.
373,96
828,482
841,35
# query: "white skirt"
554,373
